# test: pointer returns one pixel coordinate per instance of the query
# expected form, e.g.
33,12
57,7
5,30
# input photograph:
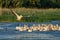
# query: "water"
8,32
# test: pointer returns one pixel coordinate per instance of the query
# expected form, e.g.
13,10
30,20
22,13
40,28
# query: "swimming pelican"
59,28
17,28
20,28
30,30
25,27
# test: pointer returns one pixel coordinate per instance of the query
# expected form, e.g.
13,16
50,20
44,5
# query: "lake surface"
8,32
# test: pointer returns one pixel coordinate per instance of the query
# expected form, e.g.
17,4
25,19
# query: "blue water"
8,32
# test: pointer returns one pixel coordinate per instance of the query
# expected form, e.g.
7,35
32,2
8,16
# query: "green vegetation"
37,15
30,3
38,10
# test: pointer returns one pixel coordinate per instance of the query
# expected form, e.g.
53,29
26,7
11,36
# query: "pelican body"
19,17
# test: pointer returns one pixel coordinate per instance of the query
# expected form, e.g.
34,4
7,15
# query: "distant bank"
37,15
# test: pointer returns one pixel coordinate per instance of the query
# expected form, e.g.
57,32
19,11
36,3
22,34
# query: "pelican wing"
15,13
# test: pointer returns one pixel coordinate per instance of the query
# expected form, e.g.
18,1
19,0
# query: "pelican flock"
43,27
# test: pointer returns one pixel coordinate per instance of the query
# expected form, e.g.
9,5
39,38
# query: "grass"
37,15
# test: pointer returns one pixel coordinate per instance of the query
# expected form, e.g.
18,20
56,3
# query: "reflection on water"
30,36
11,34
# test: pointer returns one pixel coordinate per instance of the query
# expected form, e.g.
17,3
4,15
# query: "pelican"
25,27
30,30
19,17
17,28
59,28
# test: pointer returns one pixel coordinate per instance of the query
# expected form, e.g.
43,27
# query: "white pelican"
25,27
17,28
46,28
30,30
20,28
19,17
40,28
59,28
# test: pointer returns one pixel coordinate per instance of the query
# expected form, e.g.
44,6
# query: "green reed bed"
36,15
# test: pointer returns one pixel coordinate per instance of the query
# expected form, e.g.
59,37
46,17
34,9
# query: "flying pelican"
19,17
